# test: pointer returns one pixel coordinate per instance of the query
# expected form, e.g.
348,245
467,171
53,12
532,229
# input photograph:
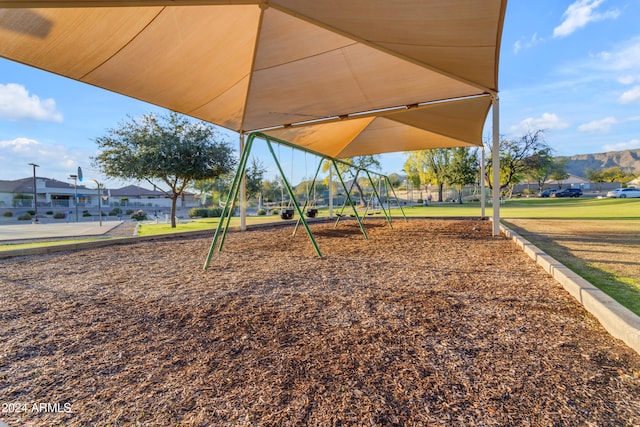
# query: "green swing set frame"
227,210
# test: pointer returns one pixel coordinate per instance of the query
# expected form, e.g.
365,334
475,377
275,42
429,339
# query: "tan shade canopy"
340,77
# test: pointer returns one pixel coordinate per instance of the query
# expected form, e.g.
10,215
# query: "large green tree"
540,165
430,166
168,148
463,169
514,156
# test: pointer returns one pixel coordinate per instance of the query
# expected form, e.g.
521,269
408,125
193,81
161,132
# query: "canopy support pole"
495,164
330,190
482,185
243,191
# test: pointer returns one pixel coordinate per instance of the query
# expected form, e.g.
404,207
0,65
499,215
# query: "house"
139,197
51,193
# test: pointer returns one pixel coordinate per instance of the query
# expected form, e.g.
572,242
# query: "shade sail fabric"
363,76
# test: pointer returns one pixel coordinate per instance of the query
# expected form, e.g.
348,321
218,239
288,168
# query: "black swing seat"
312,212
286,213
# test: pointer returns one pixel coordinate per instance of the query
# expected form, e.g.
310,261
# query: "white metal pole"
243,192
495,164
482,184
330,190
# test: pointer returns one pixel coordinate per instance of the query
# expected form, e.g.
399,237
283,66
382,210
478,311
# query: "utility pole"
75,200
35,194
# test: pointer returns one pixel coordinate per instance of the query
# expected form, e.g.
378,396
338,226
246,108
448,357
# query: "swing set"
311,212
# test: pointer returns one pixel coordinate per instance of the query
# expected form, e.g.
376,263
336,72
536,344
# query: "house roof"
24,185
339,77
135,191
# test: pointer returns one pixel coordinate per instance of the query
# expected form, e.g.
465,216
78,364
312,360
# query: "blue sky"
569,67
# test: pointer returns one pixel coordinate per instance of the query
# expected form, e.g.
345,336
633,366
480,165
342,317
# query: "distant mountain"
626,160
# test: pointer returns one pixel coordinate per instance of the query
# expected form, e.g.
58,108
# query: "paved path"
20,232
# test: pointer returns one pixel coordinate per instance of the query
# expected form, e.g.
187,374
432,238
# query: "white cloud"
627,80
624,57
599,126
604,125
547,121
19,145
55,160
629,145
16,103
579,14
526,44
632,95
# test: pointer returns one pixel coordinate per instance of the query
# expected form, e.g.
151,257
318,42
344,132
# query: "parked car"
568,192
624,192
547,193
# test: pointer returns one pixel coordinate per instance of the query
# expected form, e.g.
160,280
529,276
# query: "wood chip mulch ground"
433,322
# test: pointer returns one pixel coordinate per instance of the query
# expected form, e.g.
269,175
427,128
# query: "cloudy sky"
570,68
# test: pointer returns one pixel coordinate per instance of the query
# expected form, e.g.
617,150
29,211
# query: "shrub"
59,215
8,214
86,213
24,217
198,212
214,212
115,212
49,212
129,211
205,212
262,212
32,213
139,215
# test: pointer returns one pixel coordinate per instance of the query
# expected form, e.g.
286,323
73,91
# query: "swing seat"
286,213
312,212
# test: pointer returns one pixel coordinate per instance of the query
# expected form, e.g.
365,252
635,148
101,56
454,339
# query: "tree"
395,180
540,166
558,171
254,176
513,158
612,174
431,166
463,169
167,148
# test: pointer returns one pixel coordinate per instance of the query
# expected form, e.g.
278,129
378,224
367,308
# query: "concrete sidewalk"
22,232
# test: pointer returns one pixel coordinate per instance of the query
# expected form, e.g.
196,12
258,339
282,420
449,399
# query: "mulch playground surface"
433,322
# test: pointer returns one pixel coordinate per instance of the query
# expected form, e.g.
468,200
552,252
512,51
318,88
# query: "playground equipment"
225,218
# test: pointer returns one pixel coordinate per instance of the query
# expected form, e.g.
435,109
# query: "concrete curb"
619,321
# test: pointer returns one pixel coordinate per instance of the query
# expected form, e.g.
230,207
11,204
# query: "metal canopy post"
482,184
495,164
